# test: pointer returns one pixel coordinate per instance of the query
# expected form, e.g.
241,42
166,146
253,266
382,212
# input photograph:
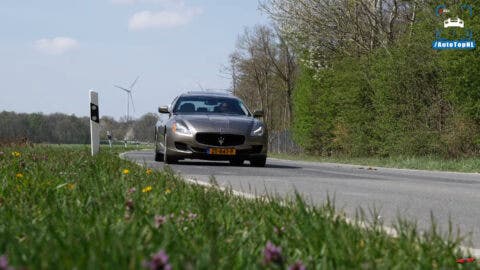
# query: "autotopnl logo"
454,33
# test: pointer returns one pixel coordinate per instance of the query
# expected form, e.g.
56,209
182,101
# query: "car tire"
158,156
237,162
258,162
166,158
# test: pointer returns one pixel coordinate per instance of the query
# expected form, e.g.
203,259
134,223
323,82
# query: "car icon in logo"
453,23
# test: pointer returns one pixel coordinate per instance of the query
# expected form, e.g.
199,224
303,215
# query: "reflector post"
94,123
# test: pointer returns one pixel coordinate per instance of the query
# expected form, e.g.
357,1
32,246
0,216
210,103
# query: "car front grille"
217,139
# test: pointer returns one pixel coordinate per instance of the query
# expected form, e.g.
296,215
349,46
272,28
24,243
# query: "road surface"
411,194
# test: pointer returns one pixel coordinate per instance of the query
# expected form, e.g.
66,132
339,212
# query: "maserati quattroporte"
212,126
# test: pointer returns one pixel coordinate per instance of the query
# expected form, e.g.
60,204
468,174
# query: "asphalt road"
411,194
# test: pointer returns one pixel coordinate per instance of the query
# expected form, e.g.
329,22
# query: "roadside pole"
94,123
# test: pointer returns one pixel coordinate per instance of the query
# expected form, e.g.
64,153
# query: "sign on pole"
94,123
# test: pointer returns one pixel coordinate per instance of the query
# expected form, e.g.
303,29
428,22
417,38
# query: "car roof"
209,93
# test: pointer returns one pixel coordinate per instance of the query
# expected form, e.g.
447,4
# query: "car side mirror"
258,113
163,109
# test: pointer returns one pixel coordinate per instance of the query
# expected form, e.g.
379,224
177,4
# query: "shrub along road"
411,194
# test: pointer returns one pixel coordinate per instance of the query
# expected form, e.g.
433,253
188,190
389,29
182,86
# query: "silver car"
212,126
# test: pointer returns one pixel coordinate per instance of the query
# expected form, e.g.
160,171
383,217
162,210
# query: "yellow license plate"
222,151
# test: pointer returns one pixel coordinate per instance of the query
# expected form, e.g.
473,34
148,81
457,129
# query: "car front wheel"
158,156
167,159
258,162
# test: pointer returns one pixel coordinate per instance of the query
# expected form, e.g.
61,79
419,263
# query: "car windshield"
210,105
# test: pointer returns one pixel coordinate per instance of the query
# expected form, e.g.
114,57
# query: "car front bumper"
187,147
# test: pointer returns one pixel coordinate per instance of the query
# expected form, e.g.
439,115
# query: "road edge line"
378,167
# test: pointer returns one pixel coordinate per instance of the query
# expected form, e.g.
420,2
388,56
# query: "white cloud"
173,13
56,46
162,19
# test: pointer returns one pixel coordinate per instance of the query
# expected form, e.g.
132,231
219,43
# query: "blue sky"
53,51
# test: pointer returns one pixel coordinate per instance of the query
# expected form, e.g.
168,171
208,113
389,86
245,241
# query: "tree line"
360,78
70,129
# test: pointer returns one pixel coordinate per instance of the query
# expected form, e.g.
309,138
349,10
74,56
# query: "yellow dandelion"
16,154
126,171
149,171
168,191
147,189
71,186
19,175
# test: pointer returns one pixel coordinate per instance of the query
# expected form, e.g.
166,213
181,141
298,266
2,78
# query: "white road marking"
371,168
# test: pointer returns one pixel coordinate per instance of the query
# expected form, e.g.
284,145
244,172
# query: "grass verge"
62,209
469,165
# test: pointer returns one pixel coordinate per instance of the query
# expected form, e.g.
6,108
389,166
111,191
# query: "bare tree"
324,29
263,68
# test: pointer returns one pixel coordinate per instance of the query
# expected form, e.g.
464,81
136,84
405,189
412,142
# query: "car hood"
233,124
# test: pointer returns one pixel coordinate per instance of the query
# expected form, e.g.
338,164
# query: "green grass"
72,211
470,165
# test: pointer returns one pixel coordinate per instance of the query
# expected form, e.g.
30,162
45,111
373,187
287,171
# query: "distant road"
411,194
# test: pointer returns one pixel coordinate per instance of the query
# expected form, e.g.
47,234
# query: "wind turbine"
129,96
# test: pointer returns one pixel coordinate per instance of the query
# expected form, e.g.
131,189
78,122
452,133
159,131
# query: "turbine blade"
126,90
134,82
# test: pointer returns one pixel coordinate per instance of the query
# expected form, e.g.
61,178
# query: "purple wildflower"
4,263
272,253
131,190
297,266
159,261
160,220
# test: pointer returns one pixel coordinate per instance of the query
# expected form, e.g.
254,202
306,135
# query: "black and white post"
94,123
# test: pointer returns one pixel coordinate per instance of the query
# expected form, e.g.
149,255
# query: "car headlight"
257,129
180,128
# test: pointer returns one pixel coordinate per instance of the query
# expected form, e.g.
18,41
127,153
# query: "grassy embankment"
62,209
470,165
